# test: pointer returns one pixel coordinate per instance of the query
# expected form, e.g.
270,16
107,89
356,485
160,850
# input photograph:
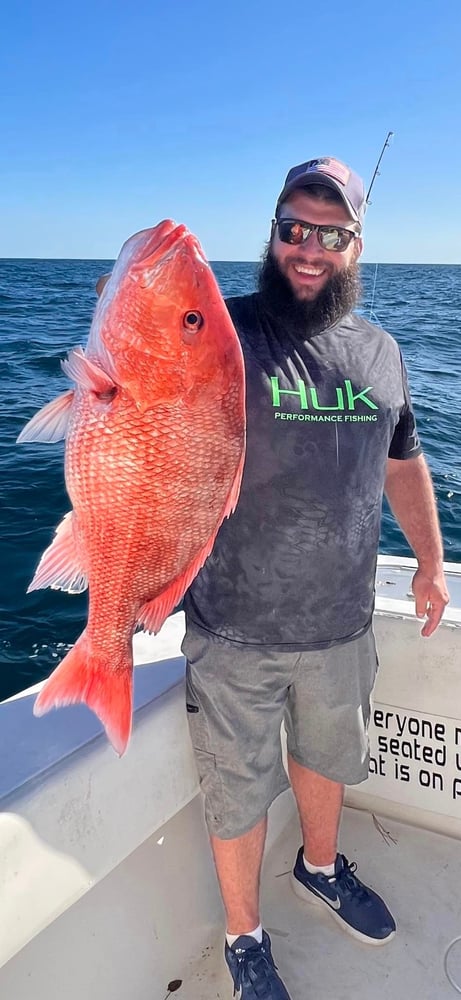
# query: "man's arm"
410,493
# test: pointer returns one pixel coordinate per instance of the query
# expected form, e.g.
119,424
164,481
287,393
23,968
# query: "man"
279,618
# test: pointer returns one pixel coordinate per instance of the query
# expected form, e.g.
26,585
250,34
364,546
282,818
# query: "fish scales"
155,438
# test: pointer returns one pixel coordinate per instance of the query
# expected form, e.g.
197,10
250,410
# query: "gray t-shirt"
294,566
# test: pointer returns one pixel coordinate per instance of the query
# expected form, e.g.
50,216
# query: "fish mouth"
156,249
160,240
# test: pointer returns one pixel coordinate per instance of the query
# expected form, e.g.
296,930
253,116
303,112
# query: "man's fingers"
434,615
421,605
101,282
431,598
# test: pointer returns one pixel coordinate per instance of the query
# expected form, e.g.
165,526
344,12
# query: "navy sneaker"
360,910
253,971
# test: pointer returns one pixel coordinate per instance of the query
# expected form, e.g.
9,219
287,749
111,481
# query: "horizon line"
393,263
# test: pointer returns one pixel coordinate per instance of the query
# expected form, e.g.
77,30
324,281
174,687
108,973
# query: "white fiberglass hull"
107,888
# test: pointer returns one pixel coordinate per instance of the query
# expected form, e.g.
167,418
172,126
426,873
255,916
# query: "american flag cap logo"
331,167
332,172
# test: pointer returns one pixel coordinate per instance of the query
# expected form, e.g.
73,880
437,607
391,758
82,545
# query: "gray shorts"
237,698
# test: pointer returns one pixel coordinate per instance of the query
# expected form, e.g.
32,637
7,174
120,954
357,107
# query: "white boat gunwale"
73,813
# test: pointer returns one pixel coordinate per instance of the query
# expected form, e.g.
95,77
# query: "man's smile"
308,269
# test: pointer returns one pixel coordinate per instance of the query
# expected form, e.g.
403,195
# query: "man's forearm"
410,493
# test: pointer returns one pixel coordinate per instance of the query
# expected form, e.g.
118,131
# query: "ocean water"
46,308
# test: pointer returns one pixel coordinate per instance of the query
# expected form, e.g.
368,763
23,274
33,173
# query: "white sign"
415,759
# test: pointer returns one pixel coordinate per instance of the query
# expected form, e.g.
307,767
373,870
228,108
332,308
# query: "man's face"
309,267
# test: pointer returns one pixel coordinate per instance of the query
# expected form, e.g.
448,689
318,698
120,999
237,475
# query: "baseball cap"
331,173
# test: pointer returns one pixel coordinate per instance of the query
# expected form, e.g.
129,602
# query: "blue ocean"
46,308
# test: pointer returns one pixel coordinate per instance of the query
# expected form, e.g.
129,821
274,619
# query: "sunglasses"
296,232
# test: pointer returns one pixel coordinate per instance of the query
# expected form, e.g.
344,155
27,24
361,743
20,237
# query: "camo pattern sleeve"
405,441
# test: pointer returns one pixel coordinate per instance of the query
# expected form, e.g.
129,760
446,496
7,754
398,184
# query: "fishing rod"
376,174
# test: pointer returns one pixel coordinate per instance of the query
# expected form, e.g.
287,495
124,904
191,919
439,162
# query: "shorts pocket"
212,789
198,726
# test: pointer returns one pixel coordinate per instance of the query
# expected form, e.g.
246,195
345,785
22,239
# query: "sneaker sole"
307,896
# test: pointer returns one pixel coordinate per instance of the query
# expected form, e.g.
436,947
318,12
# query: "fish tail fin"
83,676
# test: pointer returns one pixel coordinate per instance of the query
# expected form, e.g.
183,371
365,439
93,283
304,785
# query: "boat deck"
107,886
418,874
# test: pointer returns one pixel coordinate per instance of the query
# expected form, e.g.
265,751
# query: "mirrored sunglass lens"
335,239
293,232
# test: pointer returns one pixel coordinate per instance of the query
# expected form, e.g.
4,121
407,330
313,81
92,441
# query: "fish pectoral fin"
50,423
61,566
86,373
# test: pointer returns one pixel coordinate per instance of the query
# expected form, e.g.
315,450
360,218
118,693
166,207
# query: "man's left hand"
431,598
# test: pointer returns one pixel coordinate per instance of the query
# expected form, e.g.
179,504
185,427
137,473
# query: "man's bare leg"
238,865
319,803
238,861
362,912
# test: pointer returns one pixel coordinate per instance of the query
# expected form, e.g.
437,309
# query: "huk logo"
305,392
344,408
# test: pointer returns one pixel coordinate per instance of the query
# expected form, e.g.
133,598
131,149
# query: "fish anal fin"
62,565
50,423
106,688
152,615
234,492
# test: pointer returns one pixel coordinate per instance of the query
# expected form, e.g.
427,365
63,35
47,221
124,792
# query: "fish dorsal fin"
61,566
50,423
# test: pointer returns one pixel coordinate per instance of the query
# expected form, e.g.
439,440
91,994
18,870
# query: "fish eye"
192,321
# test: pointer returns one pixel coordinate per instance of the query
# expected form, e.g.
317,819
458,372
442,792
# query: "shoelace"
254,968
349,884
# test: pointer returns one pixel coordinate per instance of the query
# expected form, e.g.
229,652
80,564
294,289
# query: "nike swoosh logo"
334,903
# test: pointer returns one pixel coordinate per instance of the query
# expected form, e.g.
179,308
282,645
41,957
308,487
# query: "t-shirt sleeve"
405,441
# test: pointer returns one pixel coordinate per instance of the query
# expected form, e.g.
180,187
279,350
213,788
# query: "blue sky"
116,115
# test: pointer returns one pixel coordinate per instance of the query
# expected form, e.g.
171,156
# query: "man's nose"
312,245
312,239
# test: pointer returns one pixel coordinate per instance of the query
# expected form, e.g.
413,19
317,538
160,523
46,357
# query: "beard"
304,318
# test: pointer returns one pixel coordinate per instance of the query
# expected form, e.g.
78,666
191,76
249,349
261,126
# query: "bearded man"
279,620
